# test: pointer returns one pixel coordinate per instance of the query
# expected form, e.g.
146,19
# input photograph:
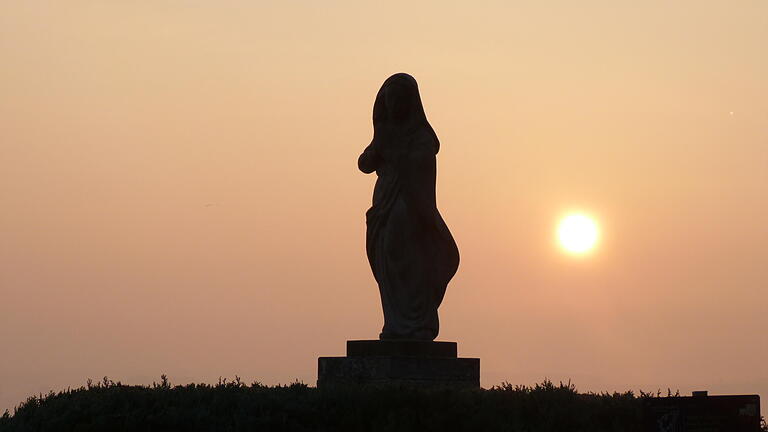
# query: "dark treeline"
236,406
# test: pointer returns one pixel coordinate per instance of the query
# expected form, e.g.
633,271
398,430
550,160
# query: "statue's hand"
369,160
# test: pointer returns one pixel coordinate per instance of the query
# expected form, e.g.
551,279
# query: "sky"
180,194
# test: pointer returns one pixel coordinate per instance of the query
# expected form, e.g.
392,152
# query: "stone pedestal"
399,362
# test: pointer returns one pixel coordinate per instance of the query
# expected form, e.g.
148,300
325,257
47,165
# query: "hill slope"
235,406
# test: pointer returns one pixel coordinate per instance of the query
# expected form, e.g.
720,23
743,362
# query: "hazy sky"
179,191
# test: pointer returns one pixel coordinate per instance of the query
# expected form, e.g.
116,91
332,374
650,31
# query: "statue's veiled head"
398,101
398,105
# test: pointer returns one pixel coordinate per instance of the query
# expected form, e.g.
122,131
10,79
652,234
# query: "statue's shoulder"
425,139
423,136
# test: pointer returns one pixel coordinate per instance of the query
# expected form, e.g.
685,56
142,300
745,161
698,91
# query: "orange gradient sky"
179,191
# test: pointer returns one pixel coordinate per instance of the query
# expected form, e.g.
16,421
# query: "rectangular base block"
391,370
400,348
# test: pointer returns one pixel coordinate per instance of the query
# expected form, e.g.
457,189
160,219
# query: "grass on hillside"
236,406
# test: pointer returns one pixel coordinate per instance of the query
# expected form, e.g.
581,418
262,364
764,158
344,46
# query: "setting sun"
577,233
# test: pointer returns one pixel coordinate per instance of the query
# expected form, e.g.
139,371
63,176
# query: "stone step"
401,348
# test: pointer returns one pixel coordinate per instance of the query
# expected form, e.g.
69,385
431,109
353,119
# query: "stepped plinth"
400,362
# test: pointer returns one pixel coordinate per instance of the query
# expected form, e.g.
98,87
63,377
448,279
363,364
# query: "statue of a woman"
412,254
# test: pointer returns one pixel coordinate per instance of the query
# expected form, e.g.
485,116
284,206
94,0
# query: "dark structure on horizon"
702,413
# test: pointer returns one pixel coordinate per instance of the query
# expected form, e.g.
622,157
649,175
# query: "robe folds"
412,253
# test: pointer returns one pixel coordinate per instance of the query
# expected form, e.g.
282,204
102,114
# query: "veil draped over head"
405,88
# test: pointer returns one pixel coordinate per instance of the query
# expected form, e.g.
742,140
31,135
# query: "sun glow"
577,233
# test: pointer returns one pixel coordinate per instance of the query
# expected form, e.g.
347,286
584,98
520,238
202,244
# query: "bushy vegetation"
236,406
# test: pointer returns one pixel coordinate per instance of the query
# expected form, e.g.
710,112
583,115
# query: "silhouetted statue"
412,254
